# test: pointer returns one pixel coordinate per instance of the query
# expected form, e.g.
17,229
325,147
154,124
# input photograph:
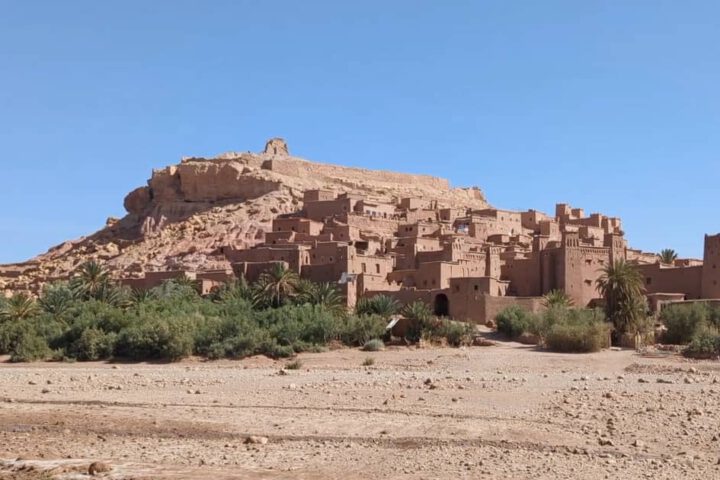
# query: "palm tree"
57,299
19,307
185,281
140,295
557,298
668,256
232,291
621,285
382,305
115,295
276,285
175,288
324,294
90,280
419,316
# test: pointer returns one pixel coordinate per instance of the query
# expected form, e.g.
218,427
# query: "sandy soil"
507,411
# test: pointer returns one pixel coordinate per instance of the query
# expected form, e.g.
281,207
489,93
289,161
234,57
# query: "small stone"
253,439
98,467
605,442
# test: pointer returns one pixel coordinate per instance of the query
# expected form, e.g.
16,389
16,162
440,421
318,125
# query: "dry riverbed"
507,411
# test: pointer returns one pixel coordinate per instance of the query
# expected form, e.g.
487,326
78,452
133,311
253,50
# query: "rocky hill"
188,211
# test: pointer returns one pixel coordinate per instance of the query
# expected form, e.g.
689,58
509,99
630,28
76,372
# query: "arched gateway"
441,306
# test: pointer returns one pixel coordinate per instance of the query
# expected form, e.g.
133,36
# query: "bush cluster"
685,321
514,320
95,320
560,328
696,324
705,344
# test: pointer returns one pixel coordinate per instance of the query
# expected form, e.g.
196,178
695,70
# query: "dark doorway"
442,305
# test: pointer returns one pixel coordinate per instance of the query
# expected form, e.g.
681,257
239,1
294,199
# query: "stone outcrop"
187,212
276,146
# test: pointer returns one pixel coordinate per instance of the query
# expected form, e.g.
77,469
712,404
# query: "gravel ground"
508,411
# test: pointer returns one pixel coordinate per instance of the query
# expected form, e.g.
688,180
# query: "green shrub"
301,346
295,365
14,332
369,361
705,344
356,330
684,321
307,323
30,347
93,344
152,338
513,321
10,333
374,345
273,350
578,336
456,334
420,320
382,305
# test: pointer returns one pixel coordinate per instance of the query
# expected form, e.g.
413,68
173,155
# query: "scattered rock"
98,467
256,440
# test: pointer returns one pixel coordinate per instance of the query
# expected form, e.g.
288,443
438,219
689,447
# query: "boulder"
98,467
137,200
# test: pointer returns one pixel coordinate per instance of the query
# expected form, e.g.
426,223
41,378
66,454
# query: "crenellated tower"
711,267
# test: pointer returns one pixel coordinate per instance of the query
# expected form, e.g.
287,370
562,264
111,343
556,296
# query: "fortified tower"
617,245
711,267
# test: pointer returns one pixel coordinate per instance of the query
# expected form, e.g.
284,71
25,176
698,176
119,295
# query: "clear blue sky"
613,106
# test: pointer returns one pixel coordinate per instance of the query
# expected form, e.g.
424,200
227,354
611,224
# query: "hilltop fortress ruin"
409,236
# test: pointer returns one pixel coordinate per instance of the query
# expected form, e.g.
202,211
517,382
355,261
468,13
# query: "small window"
648,281
477,288
364,268
377,268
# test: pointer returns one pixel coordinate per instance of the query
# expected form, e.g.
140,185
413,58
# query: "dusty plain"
506,411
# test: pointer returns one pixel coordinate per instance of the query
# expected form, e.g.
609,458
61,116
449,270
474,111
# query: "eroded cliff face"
187,212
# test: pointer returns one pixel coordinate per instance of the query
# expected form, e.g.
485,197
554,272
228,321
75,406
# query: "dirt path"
495,412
